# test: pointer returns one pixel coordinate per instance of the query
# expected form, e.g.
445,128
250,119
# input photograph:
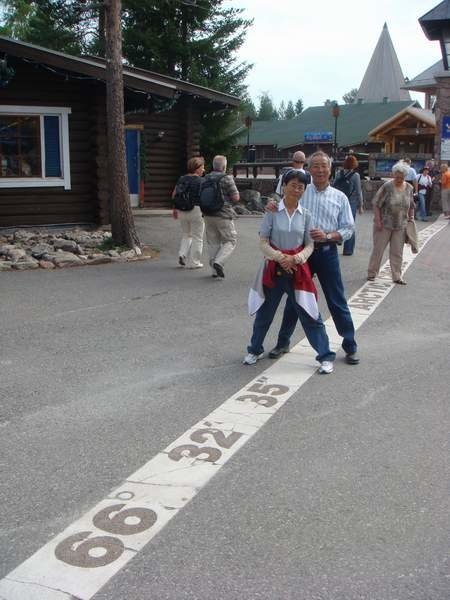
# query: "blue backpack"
211,196
184,198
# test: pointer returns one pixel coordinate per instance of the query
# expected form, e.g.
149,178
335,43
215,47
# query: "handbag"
411,236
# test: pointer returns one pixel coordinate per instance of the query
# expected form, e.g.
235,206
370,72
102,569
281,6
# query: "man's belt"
318,245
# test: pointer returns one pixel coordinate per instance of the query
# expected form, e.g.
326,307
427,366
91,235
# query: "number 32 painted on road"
80,550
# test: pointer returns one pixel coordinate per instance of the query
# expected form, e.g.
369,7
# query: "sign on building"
318,136
445,138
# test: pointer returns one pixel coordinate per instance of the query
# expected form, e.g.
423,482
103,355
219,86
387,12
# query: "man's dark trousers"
324,262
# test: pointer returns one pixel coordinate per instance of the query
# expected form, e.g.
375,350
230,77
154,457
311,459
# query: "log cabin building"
53,152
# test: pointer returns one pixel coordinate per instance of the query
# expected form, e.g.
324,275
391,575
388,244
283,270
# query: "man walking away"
221,235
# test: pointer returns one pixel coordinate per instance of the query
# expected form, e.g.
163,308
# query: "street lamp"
436,26
335,111
248,123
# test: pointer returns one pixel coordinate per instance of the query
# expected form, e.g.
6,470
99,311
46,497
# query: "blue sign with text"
319,136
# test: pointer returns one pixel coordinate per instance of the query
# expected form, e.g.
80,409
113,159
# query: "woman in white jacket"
424,183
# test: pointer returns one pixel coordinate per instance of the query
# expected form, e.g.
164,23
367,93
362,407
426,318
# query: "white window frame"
63,113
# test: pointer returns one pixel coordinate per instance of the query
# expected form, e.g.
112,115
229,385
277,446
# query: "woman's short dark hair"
293,174
195,163
350,163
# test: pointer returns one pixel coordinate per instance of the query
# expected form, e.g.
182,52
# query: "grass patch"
108,244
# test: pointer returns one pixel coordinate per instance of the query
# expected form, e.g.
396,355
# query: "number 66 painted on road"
77,554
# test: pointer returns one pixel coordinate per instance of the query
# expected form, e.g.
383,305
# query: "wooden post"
122,223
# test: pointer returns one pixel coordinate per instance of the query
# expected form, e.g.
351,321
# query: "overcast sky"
320,49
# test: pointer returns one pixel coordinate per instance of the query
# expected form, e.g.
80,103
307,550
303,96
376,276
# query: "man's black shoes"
277,352
352,359
219,270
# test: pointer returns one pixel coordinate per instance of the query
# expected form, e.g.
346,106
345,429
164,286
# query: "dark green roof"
353,126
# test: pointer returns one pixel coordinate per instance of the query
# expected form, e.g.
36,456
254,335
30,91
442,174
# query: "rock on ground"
32,249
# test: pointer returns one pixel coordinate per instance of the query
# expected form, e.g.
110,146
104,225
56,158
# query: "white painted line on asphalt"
79,561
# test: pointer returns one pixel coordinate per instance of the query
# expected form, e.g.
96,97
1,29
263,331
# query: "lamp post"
248,123
335,111
436,26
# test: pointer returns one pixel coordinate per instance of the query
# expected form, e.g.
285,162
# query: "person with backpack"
186,208
348,181
217,194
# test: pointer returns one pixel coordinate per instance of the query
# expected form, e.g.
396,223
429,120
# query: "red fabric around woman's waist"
301,278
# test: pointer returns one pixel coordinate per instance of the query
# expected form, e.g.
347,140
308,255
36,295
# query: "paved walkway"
327,487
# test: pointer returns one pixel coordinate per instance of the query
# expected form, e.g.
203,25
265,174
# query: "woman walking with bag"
185,198
393,206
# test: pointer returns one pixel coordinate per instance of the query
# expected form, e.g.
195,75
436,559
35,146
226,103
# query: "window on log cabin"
34,147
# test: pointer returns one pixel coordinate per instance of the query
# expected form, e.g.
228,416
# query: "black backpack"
344,183
211,196
184,198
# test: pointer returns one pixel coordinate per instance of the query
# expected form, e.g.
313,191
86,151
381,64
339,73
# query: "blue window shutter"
52,152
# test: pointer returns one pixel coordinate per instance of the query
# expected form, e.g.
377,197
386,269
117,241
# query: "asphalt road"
342,495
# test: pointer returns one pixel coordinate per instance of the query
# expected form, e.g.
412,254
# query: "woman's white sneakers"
326,367
251,359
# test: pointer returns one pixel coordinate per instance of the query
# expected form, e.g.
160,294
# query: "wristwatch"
329,237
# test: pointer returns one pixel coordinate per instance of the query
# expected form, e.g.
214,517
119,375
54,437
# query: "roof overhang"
133,78
94,69
422,116
436,20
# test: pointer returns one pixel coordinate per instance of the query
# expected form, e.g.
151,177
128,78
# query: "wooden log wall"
35,86
166,156
98,127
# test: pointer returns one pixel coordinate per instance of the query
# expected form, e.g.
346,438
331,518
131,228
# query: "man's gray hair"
220,163
319,154
401,167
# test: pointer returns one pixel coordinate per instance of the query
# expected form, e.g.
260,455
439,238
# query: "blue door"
132,150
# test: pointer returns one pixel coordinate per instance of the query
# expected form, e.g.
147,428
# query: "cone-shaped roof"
383,78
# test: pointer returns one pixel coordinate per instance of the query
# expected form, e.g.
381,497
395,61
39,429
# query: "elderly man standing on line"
298,164
333,223
221,234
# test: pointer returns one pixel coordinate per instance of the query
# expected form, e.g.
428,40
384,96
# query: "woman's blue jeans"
324,262
422,208
314,330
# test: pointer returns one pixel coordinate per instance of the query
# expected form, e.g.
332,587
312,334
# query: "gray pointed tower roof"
383,77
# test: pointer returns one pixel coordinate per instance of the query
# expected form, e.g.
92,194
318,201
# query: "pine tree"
350,97
123,230
196,41
267,110
282,110
64,25
299,107
290,110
